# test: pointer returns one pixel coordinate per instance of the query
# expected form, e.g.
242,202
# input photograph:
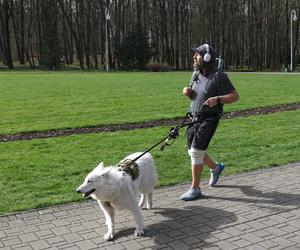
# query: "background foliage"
253,34
134,52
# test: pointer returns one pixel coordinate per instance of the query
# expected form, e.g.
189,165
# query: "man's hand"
212,101
187,91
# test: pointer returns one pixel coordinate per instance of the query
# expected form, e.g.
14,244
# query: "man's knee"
197,156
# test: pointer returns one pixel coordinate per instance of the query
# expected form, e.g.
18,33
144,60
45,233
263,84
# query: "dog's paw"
108,236
139,232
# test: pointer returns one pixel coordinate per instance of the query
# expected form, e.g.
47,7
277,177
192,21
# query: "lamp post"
293,18
107,18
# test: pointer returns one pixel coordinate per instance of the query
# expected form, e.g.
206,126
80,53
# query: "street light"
293,18
107,18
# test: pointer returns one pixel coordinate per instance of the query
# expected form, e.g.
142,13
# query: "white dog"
114,188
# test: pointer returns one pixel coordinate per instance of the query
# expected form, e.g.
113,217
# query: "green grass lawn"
35,101
40,173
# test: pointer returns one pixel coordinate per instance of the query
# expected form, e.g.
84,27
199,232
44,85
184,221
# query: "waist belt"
201,116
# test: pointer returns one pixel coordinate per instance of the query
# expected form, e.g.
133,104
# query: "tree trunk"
5,10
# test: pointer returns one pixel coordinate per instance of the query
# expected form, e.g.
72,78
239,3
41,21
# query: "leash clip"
174,132
173,135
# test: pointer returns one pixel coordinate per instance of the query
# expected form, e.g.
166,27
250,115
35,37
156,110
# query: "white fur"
114,189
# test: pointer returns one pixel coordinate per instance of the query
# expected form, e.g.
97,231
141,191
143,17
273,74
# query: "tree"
49,44
5,15
18,25
134,52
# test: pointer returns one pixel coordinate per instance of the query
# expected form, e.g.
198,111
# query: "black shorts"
199,134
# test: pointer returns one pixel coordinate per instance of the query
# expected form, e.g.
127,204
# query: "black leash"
172,135
164,139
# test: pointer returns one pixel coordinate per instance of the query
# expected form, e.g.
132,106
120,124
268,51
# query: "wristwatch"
218,99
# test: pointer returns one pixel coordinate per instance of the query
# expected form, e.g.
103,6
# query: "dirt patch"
140,125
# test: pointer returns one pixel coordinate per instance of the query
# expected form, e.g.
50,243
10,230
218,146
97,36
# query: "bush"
158,67
134,52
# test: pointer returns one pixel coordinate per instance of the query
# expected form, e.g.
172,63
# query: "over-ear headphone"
207,55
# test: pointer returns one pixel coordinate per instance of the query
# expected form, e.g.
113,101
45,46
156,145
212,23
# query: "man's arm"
226,99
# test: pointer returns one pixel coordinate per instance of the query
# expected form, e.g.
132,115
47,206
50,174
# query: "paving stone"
132,245
73,237
226,245
60,230
222,236
69,247
86,244
258,225
283,242
295,239
149,243
12,231
32,221
176,244
40,244
261,233
23,248
46,226
164,238
8,242
30,229
297,247
268,244
254,247
28,237
252,238
114,247
90,235
55,239
276,231
241,243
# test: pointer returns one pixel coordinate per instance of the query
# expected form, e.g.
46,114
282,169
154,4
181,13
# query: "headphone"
207,56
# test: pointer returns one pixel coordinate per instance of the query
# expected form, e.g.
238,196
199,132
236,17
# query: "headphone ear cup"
207,57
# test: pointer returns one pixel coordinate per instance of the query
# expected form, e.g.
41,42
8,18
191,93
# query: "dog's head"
97,180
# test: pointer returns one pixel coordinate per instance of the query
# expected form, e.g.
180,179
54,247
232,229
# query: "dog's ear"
100,166
106,173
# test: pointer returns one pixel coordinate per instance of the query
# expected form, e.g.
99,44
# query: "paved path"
257,210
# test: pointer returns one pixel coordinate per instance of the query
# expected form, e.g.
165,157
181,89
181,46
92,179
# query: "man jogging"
209,90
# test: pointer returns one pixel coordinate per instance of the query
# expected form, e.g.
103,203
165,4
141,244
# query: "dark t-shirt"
207,86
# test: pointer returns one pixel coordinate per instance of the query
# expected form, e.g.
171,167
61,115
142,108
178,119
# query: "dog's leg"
133,205
142,200
139,231
109,214
149,200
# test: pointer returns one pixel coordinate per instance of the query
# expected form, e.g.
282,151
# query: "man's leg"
197,167
209,161
196,175
216,169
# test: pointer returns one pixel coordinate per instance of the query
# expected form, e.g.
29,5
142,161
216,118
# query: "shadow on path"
189,227
260,198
